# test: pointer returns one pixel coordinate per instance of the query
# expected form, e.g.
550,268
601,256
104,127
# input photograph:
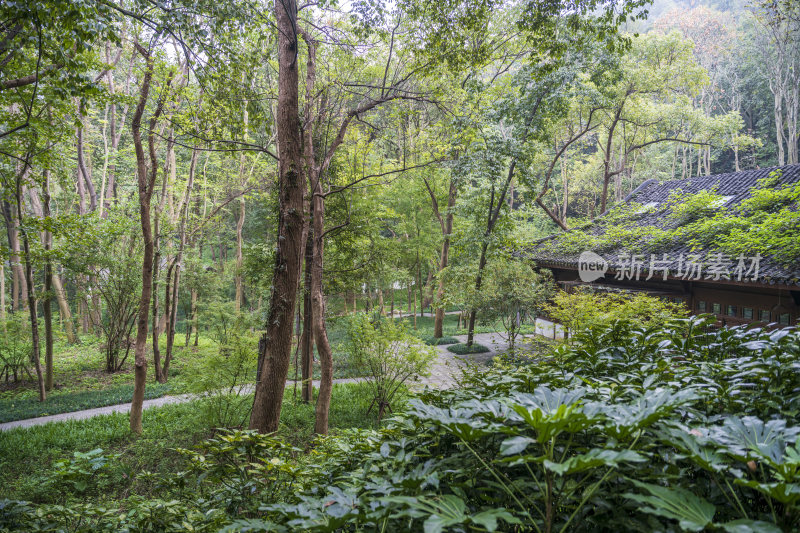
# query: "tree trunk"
238,279
478,283
276,342
83,170
19,287
63,308
778,111
29,281
158,320
447,229
146,182
3,296
172,306
48,288
320,332
195,319
307,339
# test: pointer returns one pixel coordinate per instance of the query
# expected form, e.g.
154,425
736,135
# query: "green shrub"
15,348
81,473
226,380
389,353
463,349
584,308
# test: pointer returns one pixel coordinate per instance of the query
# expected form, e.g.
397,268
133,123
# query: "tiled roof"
733,187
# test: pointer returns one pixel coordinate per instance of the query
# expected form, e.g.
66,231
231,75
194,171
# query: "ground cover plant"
82,383
462,348
28,457
669,427
20,408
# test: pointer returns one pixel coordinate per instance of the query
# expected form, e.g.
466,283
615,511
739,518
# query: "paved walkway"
444,374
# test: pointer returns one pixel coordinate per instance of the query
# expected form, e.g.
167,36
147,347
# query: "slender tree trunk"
778,111
172,306
447,228
478,283
307,339
3,296
19,287
276,342
158,320
48,289
320,331
29,281
63,308
83,170
155,326
239,281
146,181
239,302
195,317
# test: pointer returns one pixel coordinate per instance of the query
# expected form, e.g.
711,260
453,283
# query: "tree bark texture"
276,344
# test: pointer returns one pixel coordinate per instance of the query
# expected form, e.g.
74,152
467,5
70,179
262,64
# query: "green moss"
767,222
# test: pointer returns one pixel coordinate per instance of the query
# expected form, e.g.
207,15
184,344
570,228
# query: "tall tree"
276,342
146,180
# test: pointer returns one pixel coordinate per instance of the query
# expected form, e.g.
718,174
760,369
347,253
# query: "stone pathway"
444,374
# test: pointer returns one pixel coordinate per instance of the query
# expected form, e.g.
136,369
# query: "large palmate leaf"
647,409
688,443
786,493
750,436
692,512
551,412
460,422
594,458
442,512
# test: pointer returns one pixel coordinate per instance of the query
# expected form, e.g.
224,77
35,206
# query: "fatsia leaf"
594,458
515,445
551,412
747,436
786,493
692,512
488,519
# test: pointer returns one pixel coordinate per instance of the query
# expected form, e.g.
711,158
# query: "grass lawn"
27,456
82,383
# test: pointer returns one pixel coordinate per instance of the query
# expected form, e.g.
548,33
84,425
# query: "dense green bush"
227,378
585,308
15,348
389,355
673,427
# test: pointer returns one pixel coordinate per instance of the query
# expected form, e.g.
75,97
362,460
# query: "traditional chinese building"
678,239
